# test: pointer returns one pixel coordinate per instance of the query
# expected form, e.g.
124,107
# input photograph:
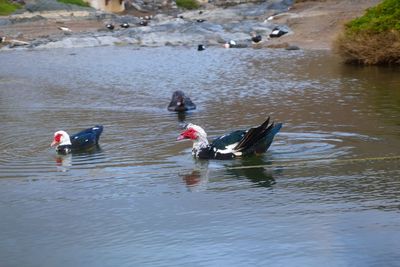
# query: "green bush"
7,8
74,2
188,4
373,38
383,17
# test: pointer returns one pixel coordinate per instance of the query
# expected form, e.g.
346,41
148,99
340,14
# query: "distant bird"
255,38
2,39
110,26
64,29
143,23
124,25
200,20
83,140
239,143
200,12
180,102
201,47
230,44
276,32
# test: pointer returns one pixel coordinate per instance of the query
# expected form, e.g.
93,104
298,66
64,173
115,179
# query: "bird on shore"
110,26
239,143
276,32
201,47
255,38
143,23
180,102
80,141
64,29
124,25
200,20
2,39
230,44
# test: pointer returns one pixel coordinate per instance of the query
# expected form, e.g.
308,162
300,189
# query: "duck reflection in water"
64,161
254,169
197,179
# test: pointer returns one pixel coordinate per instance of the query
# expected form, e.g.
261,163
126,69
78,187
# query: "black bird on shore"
201,47
143,23
124,25
276,32
110,26
255,38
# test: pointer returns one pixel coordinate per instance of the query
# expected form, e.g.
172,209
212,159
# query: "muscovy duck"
201,47
124,25
180,102
255,38
239,143
110,26
276,32
83,140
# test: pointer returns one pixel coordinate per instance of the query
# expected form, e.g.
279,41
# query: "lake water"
327,192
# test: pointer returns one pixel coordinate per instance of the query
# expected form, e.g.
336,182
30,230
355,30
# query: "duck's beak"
54,143
180,137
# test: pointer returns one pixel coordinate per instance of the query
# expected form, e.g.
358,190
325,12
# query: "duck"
255,38
230,44
276,32
143,23
124,25
180,102
201,47
239,143
110,26
64,29
83,140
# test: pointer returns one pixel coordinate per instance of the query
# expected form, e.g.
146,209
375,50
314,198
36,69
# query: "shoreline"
311,25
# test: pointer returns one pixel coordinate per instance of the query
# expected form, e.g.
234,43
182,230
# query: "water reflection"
65,162
197,179
254,169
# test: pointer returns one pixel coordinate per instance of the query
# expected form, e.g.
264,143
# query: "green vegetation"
373,38
188,4
74,2
7,8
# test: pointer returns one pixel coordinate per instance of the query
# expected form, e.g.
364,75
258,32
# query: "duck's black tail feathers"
259,139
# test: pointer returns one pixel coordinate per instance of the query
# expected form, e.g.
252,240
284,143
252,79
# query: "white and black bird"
255,38
276,32
124,25
252,141
64,29
201,47
110,26
143,23
230,44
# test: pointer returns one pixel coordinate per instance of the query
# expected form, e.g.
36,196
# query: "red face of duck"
188,134
56,140
58,137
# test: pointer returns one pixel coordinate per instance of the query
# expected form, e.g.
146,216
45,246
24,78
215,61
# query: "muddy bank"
309,25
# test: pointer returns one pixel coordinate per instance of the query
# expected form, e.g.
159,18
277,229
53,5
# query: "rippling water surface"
327,193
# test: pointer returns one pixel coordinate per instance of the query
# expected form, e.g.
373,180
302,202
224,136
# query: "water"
314,199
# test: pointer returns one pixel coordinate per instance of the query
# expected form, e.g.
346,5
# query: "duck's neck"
198,144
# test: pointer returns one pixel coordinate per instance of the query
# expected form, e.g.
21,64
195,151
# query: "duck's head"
60,138
193,132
